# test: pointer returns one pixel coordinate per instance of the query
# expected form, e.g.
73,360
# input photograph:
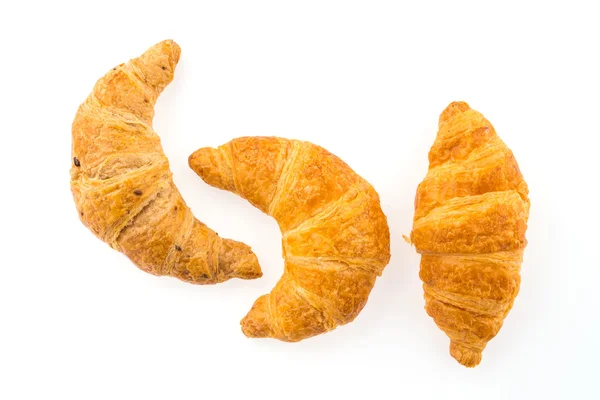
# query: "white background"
366,80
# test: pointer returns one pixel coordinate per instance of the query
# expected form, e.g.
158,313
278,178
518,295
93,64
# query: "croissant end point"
159,61
197,156
456,107
239,259
247,267
468,357
256,323
201,161
172,48
209,166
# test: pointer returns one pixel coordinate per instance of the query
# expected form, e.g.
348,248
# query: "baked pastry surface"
335,236
123,187
471,214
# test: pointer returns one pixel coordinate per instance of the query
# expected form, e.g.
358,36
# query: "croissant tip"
464,355
252,331
247,266
454,108
170,46
192,159
256,323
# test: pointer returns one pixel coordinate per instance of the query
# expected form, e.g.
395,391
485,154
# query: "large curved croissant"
122,184
335,236
470,220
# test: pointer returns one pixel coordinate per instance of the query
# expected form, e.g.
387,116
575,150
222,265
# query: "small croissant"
335,240
122,184
471,214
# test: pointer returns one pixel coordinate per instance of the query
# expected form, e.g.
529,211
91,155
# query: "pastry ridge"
123,187
335,237
471,213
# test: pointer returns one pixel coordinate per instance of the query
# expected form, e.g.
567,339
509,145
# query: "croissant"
471,214
335,236
122,184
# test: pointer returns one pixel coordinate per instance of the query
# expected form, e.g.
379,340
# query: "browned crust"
336,239
471,214
122,185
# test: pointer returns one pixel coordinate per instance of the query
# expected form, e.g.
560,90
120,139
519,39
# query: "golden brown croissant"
122,185
335,236
469,226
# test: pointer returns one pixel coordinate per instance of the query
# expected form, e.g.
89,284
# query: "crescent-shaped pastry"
335,240
471,214
122,185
